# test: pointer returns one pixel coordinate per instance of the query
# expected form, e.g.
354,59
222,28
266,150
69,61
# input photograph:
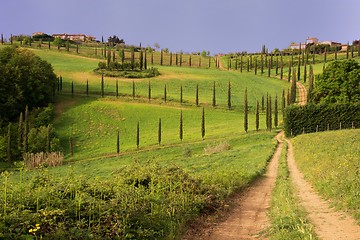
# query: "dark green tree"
180,59
276,112
26,130
138,135
165,93
197,95
269,68
289,73
246,117
298,69
159,132
141,58
305,72
48,138
262,103
152,58
203,124
117,88
347,51
257,116
181,94
281,67
161,57
229,95
189,60
118,142
339,83
267,112
133,89
276,66
149,91
132,58
214,95
181,126
283,102
255,67
293,88
145,60
170,60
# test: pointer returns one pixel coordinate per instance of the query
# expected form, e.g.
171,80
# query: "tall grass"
330,161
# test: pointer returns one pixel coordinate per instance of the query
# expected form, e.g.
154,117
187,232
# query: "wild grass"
288,219
43,159
330,161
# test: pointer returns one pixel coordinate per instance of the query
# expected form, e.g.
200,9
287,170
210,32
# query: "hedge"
320,117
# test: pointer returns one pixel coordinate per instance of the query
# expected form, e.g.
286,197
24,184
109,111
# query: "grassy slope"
330,161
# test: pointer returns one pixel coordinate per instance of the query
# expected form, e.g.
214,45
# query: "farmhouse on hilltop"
75,37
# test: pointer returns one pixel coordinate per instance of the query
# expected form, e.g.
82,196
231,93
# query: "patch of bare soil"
302,94
329,223
248,218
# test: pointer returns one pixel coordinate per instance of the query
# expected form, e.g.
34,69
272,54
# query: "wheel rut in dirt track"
248,218
329,224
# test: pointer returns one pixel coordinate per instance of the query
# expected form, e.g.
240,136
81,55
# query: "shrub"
311,118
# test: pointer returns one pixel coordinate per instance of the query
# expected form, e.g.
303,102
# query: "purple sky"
218,26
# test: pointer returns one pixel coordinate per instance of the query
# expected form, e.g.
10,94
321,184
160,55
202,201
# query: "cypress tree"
248,65
262,103
313,56
276,66
113,56
190,61
152,58
359,48
48,139
305,72
262,64
281,67
229,64
141,60
145,60
276,112
58,84
117,88
95,51
203,124
347,50
255,67
77,48
133,89
269,69
67,45
311,84
49,46
30,41
138,135
199,61
181,126
257,116
102,39
20,131
176,59
270,114
352,51
289,73
161,57
102,85
214,96
104,51
8,149
267,112
26,130
61,83
72,89
170,58
181,94
246,124
283,101
229,95
149,91
165,93
335,52
325,54
2,39
180,59
197,95
241,63
118,142
298,70
293,88
108,58
132,59
251,65
209,62
159,132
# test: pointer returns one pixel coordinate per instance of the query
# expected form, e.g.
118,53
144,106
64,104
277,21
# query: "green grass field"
330,161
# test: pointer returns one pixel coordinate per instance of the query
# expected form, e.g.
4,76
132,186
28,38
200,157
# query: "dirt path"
221,65
329,224
248,218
